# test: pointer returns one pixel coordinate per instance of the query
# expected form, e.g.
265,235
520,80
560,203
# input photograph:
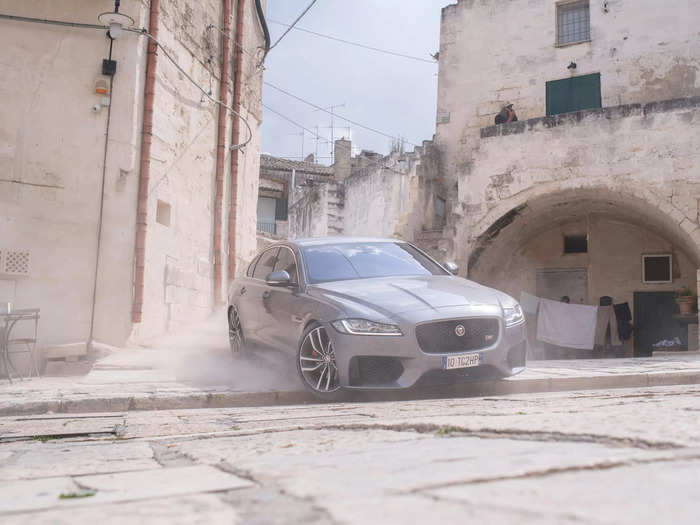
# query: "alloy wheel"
235,332
317,361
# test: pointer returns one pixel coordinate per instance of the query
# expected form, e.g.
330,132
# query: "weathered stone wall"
504,50
633,156
51,159
384,197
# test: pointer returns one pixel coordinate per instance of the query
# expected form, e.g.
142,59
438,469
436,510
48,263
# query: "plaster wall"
632,157
51,159
505,50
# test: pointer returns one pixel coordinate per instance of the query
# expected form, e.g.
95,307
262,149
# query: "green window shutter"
559,96
573,94
281,209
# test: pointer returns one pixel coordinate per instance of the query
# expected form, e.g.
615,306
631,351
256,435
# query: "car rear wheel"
235,332
316,364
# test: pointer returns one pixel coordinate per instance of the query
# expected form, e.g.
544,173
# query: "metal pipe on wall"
235,139
145,165
224,87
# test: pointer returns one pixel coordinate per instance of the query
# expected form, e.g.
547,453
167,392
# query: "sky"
391,94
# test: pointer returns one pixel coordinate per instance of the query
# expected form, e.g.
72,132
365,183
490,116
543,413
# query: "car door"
283,304
254,318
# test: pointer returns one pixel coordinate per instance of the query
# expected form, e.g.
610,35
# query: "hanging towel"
568,325
606,318
624,320
529,303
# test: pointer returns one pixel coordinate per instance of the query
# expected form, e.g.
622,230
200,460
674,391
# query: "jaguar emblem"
460,330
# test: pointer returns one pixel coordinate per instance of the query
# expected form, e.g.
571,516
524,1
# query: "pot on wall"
686,304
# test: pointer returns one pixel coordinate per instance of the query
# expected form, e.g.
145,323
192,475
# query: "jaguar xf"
365,313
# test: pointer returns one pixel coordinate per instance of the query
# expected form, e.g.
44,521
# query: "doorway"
654,320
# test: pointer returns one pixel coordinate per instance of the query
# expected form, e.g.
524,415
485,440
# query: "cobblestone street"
590,457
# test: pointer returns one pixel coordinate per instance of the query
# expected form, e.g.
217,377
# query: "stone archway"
525,235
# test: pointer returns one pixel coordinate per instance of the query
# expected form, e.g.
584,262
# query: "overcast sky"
392,94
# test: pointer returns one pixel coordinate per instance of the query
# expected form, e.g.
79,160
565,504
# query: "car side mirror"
452,268
280,278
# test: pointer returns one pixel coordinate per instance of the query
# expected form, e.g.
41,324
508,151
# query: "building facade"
594,191
592,194
127,187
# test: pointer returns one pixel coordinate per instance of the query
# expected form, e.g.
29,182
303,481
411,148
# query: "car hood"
389,296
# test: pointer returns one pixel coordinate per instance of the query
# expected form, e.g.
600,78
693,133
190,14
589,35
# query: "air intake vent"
15,262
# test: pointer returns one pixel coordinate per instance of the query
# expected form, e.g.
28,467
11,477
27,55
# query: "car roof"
320,241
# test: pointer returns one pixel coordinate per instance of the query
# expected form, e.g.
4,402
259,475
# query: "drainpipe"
235,139
145,171
221,149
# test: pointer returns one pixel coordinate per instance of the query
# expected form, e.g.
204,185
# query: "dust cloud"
199,354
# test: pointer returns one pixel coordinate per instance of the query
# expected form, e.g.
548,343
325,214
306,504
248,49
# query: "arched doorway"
587,243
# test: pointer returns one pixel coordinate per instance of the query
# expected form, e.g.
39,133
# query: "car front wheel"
316,364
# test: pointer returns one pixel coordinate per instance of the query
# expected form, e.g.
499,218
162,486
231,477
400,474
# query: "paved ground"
195,370
607,456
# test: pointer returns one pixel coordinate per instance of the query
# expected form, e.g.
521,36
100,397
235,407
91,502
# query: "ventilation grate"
15,262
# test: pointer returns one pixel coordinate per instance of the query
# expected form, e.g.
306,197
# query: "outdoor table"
8,321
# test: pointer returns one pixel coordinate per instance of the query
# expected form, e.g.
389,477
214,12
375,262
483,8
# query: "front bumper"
395,362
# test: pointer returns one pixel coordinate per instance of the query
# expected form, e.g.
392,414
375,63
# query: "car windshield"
362,260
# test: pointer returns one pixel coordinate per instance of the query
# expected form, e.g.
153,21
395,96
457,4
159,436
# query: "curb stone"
195,400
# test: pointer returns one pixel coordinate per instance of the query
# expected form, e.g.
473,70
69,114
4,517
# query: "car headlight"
513,315
364,327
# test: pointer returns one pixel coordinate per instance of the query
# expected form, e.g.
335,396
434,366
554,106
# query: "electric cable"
293,24
357,44
145,33
194,83
354,123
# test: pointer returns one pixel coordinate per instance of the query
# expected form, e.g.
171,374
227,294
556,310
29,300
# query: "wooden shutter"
281,209
573,94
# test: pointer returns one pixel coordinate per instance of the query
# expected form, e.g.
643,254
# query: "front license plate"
460,361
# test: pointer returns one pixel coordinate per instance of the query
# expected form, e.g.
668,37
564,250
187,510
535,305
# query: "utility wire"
293,24
354,123
356,44
145,33
194,83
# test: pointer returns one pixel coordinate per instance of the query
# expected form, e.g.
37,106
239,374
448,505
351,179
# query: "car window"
251,268
287,262
265,264
337,262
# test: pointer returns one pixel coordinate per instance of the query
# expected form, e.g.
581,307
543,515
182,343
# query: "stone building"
125,193
398,195
594,191
277,177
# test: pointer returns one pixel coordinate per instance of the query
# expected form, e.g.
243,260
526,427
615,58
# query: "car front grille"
441,337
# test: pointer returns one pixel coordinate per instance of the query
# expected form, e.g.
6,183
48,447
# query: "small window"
573,23
265,264
656,269
286,262
163,213
575,243
440,207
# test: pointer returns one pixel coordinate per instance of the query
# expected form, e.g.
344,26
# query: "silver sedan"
364,313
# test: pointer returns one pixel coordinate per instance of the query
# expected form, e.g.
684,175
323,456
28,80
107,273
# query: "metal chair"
18,345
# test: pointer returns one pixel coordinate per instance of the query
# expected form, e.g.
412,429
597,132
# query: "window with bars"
573,23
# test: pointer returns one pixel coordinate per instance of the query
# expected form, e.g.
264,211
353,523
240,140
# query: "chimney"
342,165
